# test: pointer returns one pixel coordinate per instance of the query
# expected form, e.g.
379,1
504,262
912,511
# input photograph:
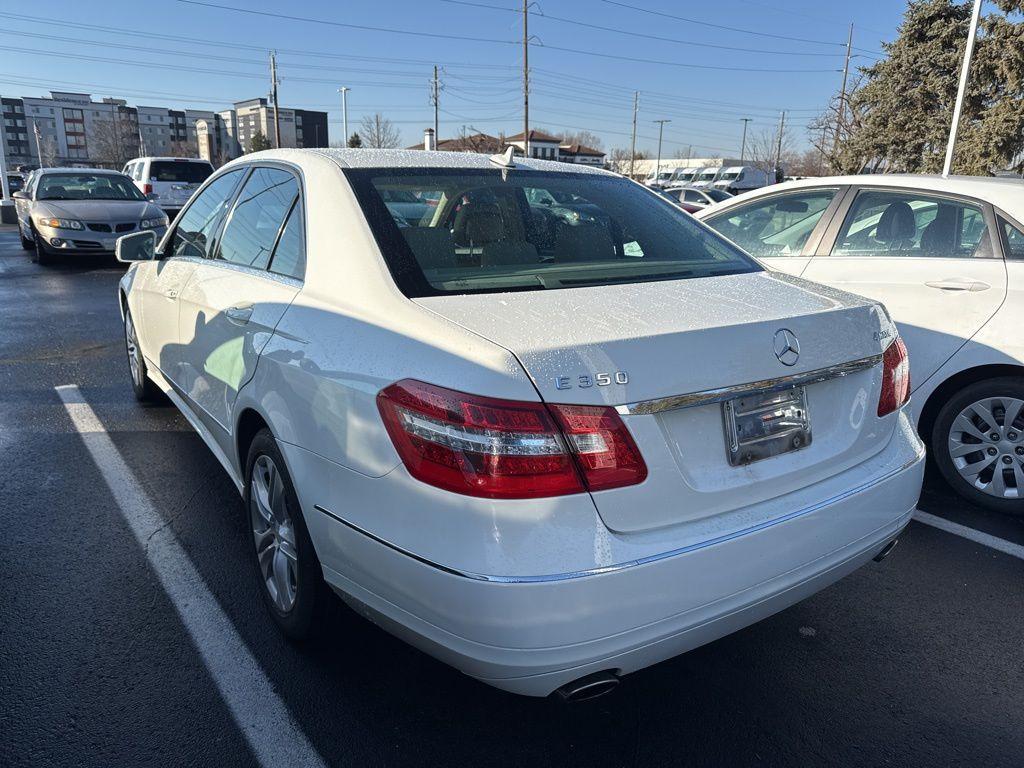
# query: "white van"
168,181
706,177
741,178
684,177
659,179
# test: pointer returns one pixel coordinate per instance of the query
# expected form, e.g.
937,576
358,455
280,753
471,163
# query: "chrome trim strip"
707,396
629,563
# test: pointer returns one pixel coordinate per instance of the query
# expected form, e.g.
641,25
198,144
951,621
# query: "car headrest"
478,223
896,224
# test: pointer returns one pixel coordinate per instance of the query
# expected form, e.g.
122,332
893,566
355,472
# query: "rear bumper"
533,635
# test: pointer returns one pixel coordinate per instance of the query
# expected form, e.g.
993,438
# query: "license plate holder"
765,424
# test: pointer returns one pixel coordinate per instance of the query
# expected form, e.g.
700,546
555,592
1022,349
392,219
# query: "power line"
330,22
716,26
645,35
661,62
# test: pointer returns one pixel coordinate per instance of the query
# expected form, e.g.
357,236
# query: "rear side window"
476,230
198,225
185,172
882,223
290,253
776,226
1014,240
257,217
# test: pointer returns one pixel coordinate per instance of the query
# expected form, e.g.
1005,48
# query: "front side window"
87,186
471,231
776,226
256,219
882,223
198,225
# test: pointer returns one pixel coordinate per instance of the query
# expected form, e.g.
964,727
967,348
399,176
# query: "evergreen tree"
259,142
902,114
354,141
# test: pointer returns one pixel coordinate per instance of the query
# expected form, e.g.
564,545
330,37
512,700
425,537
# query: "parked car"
168,181
657,179
674,196
15,182
74,211
742,178
699,197
545,462
682,177
946,256
706,177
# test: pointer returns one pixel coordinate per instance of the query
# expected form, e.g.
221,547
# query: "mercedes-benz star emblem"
787,348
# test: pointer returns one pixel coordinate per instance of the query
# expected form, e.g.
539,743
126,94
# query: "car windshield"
87,186
708,175
490,232
730,176
182,171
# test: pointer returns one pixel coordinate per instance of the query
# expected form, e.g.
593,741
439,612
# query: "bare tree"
764,151
378,132
114,142
618,159
586,138
47,151
183,149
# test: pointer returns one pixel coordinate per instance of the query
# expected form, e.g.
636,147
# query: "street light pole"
344,112
962,89
743,145
632,146
661,130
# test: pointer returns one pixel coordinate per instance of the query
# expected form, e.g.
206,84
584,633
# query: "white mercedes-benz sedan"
540,424
946,256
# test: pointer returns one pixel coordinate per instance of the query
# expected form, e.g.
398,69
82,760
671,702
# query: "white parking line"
980,537
260,714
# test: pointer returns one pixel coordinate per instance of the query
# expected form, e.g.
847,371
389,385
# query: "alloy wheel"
274,533
134,353
986,446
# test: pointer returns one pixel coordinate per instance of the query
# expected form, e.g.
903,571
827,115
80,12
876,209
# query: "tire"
288,571
42,257
143,388
992,475
27,243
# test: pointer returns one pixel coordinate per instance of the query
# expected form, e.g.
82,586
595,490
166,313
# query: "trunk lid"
625,344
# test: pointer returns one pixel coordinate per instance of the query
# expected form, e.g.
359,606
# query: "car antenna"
504,161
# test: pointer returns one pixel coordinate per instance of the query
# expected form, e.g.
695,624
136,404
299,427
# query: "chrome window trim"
637,562
708,396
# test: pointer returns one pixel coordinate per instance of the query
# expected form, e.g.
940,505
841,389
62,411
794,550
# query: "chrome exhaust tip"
886,550
588,687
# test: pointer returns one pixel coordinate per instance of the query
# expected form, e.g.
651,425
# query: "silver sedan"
74,211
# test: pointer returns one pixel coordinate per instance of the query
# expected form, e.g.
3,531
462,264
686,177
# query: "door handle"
239,315
958,284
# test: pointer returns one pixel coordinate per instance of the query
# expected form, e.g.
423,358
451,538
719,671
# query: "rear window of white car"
181,171
482,231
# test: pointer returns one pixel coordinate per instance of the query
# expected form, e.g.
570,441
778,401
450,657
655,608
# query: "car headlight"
153,223
61,223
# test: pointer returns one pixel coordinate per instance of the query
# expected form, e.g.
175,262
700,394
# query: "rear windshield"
471,231
186,172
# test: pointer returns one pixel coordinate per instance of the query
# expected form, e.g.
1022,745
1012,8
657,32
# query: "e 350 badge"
586,381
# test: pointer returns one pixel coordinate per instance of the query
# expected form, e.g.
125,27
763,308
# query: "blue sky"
577,82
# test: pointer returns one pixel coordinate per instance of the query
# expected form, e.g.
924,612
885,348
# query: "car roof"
413,158
97,171
1005,193
170,159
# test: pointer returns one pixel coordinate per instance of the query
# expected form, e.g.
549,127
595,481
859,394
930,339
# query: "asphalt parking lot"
918,660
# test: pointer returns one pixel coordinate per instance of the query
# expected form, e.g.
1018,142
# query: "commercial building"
72,129
543,146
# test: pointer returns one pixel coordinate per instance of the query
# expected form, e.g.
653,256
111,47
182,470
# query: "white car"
548,451
168,181
946,256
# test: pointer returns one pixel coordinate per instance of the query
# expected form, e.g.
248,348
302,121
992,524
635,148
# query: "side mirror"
152,197
19,196
138,246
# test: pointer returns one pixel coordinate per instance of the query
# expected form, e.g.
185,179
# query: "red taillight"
147,189
895,378
507,449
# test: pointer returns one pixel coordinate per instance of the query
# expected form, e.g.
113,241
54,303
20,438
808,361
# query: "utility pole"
962,89
39,145
778,145
526,79
273,93
841,117
436,99
657,165
632,146
344,112
743,144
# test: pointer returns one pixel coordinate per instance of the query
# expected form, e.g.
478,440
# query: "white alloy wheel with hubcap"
978,442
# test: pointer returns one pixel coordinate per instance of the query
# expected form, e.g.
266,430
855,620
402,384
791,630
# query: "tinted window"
257,217
485,231
290,253
184,172
907,224
717,195
198,224
1014,240
87,186
693,196
776,226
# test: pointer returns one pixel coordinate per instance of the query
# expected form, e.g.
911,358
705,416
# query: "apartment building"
72,129
543,146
